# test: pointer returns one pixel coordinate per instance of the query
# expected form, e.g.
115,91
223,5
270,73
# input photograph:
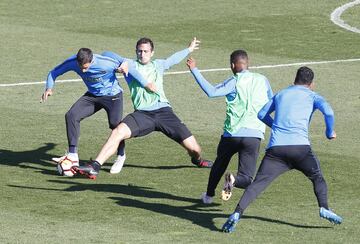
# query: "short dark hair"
84,55
238,54
304,76
145,40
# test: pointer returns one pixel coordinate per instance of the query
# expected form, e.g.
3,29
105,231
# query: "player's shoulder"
69,62
107,58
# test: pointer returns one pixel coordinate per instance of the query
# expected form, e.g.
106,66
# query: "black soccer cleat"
89,170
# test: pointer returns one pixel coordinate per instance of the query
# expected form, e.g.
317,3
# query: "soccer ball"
65,167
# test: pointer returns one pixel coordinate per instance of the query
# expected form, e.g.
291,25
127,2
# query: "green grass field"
155,199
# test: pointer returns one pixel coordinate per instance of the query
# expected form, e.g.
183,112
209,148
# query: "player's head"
84,58
144,50
304,76
239,61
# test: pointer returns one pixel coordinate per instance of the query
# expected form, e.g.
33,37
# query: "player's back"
293,109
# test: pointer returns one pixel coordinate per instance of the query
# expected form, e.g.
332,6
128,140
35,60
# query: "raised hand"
194,44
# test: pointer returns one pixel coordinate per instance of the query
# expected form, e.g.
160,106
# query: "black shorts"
142,123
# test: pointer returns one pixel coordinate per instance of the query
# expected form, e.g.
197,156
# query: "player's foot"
228,186
67,156
89,170
231,222
202,163
330,215
206,199
118,164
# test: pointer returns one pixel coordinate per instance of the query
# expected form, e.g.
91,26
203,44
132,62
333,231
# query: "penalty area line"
203,70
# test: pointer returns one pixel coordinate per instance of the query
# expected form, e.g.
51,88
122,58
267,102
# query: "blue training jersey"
100,77
293,109
227,88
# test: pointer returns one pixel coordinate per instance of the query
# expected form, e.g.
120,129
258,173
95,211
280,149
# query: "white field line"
336,16
204,70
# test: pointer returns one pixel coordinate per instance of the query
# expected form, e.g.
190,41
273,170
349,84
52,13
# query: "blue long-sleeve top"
227,88
293,109
99,78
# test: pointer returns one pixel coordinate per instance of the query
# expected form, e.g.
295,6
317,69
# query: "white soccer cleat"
206,199
228,186
118,164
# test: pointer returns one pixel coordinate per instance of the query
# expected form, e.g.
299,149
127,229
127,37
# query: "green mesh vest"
140,97
251,96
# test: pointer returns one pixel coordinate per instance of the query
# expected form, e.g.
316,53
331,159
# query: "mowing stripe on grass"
336,16
204,70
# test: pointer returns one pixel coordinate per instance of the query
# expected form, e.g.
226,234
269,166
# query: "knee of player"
243,181
121,132
113,126
70,115
317,177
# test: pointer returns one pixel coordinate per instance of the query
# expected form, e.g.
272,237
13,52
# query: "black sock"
96,165
196,161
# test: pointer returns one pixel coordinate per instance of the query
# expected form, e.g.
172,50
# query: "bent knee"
243,181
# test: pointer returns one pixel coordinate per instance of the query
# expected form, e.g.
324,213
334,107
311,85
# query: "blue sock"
72,149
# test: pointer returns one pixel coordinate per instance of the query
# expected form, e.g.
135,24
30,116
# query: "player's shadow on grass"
37,159
275,221
197,213
159,167
129,190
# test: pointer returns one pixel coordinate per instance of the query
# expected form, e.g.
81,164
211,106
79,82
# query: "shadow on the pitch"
130,190
275,221
196,212
37,159
159,167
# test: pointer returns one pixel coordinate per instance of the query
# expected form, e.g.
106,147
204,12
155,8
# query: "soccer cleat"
118,164
228,186
231,222
330,215
203,163
206,199
89,170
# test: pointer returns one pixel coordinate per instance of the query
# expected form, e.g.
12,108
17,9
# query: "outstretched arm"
264,113
222,89
67,65
325,108
179,56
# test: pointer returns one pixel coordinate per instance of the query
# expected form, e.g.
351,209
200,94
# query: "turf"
155,197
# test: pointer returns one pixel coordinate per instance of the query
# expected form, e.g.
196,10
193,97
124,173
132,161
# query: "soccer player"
104,92
289,147
246,93
152,109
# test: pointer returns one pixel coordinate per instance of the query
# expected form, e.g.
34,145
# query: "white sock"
73,156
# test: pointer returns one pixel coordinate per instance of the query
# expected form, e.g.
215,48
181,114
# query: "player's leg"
270,168
113,106
310,167
248,151
248,154
135,124
84,107
168,123
226,149
120,133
